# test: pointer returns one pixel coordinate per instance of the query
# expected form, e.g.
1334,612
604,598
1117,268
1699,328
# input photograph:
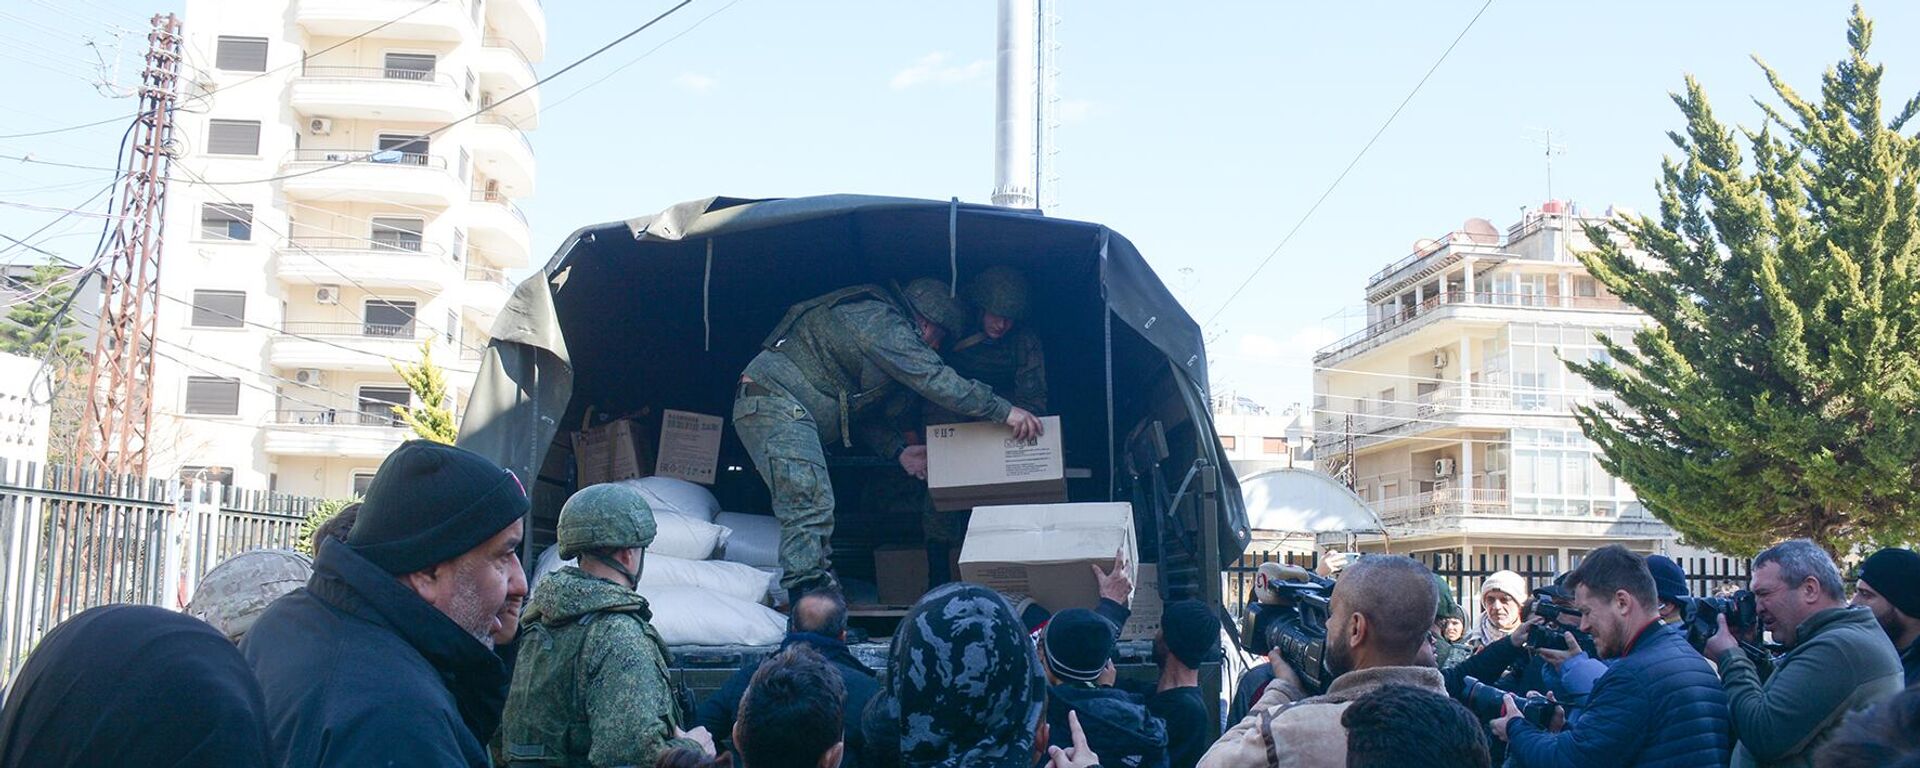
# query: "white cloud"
934,69
1076,110
695,82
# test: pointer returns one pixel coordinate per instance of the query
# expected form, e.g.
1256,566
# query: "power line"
49,225
635,60
476,113
1350,164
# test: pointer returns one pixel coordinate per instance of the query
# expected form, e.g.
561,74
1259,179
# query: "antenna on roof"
1543,137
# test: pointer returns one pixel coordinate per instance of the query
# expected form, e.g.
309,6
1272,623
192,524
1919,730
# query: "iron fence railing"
494,197
431,77
393,157
367,330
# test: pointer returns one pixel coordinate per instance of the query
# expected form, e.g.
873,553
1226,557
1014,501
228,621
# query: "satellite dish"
1481,232
1426,245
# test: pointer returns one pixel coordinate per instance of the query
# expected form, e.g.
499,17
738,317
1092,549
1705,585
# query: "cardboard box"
689,446
901,573
979,463
1147,607
1043,550
608,452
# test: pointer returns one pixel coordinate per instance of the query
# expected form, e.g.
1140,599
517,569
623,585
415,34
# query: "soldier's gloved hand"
914,461
1025,425
698,736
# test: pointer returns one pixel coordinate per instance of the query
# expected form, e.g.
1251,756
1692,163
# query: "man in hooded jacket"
1078,651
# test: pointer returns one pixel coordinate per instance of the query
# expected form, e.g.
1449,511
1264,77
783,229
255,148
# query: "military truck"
663,312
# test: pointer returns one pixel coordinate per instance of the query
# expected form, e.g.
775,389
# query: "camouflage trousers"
784,443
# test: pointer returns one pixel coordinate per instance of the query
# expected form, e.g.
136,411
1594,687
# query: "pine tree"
1776,391
433,418
47,290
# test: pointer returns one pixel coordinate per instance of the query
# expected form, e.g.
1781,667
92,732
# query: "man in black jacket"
1077,650
1189,637
819,622
385,657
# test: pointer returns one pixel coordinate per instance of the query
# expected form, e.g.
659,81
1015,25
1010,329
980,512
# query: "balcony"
1481,407
503,70
420,267
503,153
498,227
1431,256
444,20
378,93
522,21
337,175
485,291
347,346
1477,305
1487,512
334,433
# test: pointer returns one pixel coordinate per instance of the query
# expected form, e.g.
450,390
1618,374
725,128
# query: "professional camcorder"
1489,703
1290,615
1701,614
1552,635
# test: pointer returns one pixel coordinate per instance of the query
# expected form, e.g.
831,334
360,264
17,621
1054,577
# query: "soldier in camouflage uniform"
591,684
826,373
240,588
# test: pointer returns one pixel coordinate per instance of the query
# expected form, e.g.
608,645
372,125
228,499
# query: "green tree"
432,419
47,289
1776,392
322,512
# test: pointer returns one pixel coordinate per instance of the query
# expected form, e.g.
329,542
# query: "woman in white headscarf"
1501,596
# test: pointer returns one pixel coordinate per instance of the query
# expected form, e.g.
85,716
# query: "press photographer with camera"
1838,660
1658,704
1379,614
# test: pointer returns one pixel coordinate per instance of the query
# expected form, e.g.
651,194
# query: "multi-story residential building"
1257,439
1451,412
333,211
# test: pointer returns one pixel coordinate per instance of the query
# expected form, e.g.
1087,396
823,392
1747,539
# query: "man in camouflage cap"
829,371
241,587
591,685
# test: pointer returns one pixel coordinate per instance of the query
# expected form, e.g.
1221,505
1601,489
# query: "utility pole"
119,417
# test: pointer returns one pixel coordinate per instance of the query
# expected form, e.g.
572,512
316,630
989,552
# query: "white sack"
718,576
694,616
755,540
671,494
685,537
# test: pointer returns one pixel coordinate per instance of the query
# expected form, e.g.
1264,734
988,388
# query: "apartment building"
324,223
1258,439
1451,412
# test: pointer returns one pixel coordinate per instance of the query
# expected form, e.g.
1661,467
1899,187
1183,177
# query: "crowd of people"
415,642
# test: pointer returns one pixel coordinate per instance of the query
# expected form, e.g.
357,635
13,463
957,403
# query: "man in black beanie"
1890,586
1189,637
1077,647
385,657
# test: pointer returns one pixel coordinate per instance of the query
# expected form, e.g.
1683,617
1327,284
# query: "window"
221,475
410,66
213,396
466,162
459,246
392,319
1273,446
226,221
376,404
398,234
401,148
360,482
1585,287
1230,442
233,137
453,328
1532,290
469,86
241,54
219,309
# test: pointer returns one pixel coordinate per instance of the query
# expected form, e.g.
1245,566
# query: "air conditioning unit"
1443,468
319,126
327,294
1440,359
312,377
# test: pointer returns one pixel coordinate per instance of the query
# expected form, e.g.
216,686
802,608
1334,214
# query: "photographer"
1382,608
1839,661
1657,705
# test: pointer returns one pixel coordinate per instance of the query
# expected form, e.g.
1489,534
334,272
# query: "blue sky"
1201,131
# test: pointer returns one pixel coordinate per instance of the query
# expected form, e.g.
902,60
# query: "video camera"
1291,616
1489,703
1701,616
1552,636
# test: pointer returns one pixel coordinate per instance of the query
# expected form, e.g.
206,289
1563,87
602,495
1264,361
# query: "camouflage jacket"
849,352
1014,366
590,686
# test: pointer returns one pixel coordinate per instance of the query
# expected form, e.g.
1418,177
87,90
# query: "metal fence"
71,540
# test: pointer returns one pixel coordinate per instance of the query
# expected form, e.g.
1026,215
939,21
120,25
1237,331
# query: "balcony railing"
1408,314
1382,419
365,330
495,118
1450,242
1468,501
497,198
399,74
479,274
374,157
495,41
323,246
331,417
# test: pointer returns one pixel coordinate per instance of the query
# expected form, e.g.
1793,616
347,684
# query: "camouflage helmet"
232,595
932,300
604,516
1001,291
